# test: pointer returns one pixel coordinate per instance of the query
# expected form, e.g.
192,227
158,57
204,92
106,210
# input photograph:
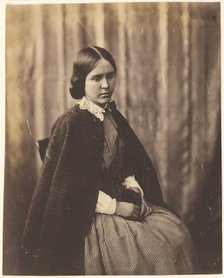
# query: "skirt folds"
159,244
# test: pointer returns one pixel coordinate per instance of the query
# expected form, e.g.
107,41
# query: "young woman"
98,207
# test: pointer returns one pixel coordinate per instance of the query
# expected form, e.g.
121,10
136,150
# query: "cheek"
88,84
93,86
112,82
90,88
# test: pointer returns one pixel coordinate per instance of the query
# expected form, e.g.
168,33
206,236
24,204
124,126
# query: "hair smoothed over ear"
86,60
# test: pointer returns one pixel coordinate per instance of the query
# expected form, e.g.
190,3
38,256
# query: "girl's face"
100,83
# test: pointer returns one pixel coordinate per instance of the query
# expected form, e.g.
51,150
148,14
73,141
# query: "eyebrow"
98,74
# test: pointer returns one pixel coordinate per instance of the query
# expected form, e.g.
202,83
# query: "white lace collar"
96,110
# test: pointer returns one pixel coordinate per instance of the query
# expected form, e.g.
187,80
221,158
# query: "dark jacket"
63,205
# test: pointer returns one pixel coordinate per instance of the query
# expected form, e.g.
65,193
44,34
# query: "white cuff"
130,182
105,204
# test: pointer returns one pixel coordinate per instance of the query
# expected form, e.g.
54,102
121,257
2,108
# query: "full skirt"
159,244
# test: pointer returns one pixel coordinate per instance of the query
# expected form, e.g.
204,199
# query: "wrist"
119,208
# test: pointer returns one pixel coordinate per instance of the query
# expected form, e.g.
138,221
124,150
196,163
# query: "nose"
105,83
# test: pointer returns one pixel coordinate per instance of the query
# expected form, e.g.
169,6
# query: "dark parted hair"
85,62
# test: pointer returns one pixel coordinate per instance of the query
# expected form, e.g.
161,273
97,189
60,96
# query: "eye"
111,75
97,77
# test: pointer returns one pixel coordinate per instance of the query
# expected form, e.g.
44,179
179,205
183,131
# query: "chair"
42,146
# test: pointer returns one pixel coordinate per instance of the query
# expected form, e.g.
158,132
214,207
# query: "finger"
136,212
137,209
143,208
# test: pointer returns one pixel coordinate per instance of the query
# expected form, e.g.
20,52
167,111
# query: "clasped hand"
128,210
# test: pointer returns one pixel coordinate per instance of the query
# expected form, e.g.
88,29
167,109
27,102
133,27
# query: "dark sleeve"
53,237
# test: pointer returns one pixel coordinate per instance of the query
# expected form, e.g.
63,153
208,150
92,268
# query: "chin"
104,101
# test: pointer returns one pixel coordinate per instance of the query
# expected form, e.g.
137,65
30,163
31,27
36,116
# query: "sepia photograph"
112,139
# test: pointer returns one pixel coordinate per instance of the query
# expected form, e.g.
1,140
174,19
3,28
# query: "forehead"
102,67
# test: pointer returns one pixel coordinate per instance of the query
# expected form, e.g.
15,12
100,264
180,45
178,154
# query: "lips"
105,94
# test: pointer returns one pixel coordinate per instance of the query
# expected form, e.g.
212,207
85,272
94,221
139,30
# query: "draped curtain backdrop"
168,88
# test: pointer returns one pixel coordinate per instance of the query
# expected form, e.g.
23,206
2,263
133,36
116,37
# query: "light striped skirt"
160,244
